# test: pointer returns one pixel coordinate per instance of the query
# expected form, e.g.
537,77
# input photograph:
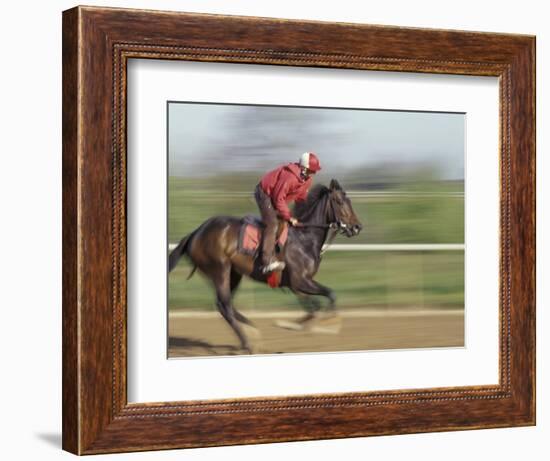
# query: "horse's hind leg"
234,280
234,284
223,295
253,331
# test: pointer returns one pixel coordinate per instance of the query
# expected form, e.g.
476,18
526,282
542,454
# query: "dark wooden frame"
97,43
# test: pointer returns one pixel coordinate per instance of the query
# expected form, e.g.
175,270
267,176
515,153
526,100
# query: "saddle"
250,236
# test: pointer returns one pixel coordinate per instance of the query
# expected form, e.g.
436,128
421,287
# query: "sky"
206,139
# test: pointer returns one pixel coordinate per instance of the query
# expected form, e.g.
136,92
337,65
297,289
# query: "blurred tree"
256,138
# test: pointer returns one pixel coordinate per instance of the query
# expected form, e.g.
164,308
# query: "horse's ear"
335,185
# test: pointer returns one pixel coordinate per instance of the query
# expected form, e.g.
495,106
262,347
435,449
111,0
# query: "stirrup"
273,266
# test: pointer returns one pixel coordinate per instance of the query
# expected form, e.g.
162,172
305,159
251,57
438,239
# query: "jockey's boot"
273,265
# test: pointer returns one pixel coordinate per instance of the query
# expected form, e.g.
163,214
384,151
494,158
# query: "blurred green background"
426,212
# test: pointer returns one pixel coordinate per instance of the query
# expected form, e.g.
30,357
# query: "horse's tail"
178,252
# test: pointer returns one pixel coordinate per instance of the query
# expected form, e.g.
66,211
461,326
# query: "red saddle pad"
252,236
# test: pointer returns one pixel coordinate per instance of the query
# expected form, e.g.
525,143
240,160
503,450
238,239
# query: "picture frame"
97,44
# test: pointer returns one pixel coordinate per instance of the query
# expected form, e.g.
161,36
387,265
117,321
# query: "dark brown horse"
213,249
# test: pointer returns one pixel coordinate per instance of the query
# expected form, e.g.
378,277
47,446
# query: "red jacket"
283,185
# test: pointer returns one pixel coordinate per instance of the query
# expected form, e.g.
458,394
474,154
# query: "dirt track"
210,335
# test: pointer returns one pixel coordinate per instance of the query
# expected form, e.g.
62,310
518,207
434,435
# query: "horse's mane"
315,194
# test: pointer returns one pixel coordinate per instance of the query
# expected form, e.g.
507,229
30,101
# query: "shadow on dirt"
188,344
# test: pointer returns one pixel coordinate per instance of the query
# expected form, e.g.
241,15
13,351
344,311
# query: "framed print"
281,230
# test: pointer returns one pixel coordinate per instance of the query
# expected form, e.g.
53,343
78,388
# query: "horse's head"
344,215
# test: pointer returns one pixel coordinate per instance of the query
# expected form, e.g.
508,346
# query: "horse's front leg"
312,287
313,321
310,304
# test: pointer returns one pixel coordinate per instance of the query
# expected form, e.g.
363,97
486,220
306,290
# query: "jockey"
275,190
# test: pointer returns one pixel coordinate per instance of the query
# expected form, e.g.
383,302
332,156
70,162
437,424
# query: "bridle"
337,226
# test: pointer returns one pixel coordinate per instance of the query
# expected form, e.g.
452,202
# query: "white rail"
387,247
398,247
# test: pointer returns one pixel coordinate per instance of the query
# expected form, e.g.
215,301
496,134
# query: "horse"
213,250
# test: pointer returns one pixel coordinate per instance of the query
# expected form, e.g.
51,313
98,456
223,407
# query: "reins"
332,225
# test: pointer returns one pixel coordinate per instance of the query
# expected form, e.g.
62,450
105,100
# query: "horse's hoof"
300,324
252,349
289,325
331,325
251,332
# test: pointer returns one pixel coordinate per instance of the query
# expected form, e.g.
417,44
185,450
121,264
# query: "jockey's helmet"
310,161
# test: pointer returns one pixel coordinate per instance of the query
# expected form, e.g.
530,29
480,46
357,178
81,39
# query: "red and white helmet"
310,161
